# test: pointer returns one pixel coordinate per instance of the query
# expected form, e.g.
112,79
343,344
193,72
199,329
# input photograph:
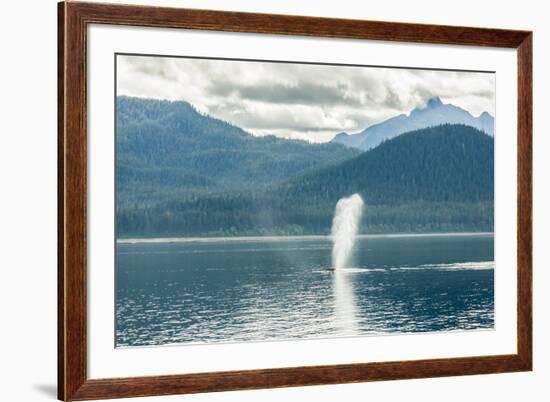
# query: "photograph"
212,201
261,200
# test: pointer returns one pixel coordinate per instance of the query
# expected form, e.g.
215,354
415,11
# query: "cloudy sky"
312,102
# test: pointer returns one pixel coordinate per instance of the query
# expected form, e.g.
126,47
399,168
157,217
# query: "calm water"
236,290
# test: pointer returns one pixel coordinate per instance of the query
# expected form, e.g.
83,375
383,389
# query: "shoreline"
160,240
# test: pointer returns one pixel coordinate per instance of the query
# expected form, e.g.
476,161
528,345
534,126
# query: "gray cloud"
304,93
299,100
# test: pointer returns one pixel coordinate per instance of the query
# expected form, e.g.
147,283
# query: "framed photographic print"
253,201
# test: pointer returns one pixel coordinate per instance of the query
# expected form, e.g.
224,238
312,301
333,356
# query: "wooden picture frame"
73,381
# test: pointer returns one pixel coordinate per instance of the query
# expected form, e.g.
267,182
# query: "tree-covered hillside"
442,163
167,150
434,179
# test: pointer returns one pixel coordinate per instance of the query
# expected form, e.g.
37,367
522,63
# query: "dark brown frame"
73,19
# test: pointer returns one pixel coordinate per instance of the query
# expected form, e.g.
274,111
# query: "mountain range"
181,172
434,113
168,149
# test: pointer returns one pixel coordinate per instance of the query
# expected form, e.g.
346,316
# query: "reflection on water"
227,290
345,309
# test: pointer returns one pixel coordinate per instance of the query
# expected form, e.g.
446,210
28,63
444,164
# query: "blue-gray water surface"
257,289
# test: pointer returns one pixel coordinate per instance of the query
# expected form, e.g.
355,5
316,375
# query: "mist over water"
345,225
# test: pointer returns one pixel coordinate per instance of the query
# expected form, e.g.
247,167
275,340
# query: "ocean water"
257,289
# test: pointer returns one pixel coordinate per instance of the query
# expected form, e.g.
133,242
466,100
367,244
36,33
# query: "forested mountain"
167,150
442,163
434,113
434,179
